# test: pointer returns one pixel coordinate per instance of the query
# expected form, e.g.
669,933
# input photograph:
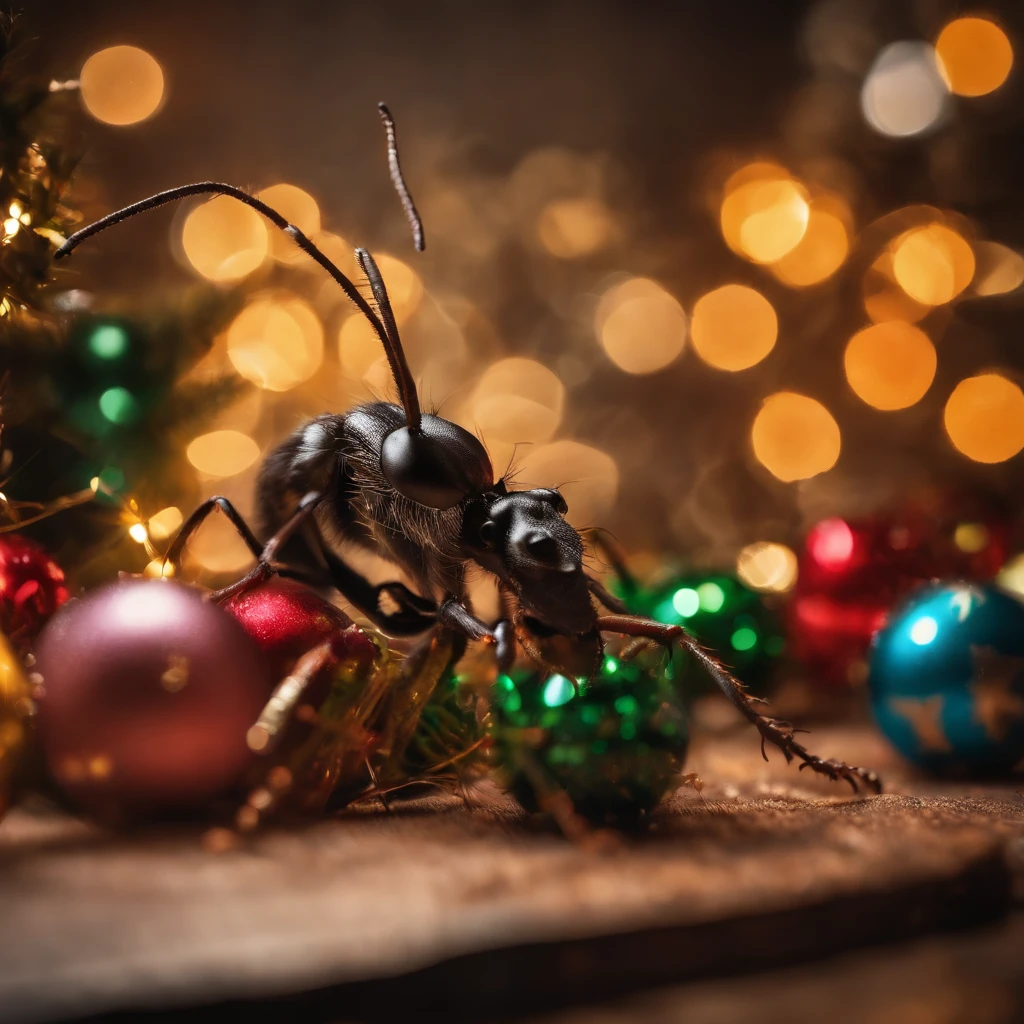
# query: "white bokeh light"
904,93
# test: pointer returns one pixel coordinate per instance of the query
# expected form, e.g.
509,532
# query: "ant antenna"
219,188
395,167
386,331
393,345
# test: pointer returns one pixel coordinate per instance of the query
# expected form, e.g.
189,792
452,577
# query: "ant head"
524,539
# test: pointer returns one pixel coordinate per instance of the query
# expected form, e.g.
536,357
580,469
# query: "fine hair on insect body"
420,490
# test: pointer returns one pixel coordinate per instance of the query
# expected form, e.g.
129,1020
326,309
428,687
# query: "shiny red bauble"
146,694
32,588
853,571
287,619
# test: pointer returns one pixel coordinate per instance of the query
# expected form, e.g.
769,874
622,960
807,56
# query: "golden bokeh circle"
224,240
1000,269
642,328
932,264
984,418
884,299
975,56
767,567
297,207
518,400
764,213
222,453
734,327
571,228
121,85
795,437
818,255
277,341
890,365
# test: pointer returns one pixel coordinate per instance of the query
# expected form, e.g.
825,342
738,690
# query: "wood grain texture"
479,912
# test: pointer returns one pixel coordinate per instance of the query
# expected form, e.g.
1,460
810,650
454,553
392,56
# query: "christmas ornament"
287,619
147,693
723,614
947,679
32,588
15,706
852,572
614,743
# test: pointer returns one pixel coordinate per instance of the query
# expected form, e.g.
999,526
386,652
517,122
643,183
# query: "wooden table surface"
769,878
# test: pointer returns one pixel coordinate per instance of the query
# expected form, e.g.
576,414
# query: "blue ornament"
947,679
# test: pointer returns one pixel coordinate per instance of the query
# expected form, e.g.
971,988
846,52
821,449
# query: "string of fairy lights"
796,231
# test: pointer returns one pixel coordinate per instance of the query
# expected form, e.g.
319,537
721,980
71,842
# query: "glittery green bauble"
723,614
446,729
615,743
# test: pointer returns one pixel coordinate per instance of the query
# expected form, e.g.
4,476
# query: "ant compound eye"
438,465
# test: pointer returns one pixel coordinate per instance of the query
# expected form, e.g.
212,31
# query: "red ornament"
32,588
147,693
852,573
287,619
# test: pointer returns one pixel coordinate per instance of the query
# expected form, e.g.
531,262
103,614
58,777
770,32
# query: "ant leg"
265,567
458,618
201,514
771,729
505,644
610,602
416,615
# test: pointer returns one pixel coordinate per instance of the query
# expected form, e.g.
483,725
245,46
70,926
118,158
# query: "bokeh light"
641,327
764,213
121,85
904,92
298,207
571,228
360,351
587,477
216,547
1011,576
932,264
821,251
518,400
884,299
974,56
277,341
890,365
831,543
999,269
795,437
222,453
224,240
165,522
733,327
984,418
767,567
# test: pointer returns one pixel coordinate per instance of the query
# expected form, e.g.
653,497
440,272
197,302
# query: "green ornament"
447,731
614,743
723,614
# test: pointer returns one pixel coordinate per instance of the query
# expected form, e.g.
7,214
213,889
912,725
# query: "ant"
420,490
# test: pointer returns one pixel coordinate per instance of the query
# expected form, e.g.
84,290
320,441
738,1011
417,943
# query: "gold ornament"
15,705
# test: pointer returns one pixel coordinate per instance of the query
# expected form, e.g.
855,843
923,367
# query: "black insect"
420,490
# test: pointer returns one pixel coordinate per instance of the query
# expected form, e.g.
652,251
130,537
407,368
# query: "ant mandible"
420,490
